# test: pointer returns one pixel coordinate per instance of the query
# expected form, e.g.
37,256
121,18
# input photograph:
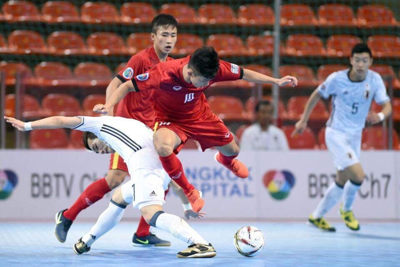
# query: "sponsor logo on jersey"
189,97
234,68
153,194
227,135
128,73
177,87
143,77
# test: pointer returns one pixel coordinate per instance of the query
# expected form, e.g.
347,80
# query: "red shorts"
117,163
209,131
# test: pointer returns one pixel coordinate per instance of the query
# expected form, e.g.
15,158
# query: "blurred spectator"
263,135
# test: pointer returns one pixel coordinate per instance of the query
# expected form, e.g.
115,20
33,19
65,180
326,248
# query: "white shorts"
344,147
146,187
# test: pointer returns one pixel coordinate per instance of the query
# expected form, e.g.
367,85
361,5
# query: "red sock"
143,228
226,160
92,193
173,166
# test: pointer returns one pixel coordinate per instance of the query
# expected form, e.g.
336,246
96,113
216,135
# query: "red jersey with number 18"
176,100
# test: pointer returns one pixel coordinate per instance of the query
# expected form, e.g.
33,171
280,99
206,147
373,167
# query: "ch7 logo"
189,97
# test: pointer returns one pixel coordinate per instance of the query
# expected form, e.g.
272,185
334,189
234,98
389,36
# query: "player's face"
265,114
196,79
360,63
164,39
99,146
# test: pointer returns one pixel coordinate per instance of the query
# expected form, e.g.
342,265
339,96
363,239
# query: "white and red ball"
248,240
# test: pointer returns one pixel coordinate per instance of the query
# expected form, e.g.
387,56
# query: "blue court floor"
287,244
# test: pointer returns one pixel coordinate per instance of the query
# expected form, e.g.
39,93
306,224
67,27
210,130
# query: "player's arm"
374,117
114,98
302,123
111,88
46,123
256,77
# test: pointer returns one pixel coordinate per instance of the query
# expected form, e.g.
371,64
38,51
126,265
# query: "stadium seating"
48,138
297,15
304,45
325,70
99,13
30,107
51,75
295,108
137,13
306,140
375,16
138,41
93,72
255,15
321,138
60,12
303,73
12,69
90,101
341,45
120,67
18,11
384,45
3,45
228,108
75,140
336,15
240,130
187,44
377,138
227,45
259,68
261,45
387,73
396,108
61,104
66,43
26,42
216,14
106,43
183,13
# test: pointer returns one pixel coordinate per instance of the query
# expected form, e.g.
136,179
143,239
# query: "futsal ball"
248,240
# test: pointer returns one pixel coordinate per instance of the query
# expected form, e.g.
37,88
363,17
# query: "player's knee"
115,177
164,149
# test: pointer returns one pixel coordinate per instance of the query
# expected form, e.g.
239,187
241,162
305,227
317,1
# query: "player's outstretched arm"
301,125
46,123
111,88
374,117
114,98
256,77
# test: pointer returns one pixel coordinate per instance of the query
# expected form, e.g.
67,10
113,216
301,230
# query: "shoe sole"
55,231
151,245
324,230
75,250
199,255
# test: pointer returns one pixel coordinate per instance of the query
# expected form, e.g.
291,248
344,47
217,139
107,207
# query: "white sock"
106,221
180,229
349,194
331,197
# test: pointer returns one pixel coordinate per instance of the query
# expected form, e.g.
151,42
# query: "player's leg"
227,157
94,192
165,142
356,176
108,219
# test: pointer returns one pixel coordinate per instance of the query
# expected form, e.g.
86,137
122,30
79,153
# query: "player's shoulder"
374,75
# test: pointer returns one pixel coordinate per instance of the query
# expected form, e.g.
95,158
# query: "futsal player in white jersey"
133,141
352,91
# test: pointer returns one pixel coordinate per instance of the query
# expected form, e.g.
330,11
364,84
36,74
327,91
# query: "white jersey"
130,138
351,101
254,138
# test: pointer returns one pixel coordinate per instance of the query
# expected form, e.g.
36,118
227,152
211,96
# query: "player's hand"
373,118
191,214
299,127
101,109
20,125
287,81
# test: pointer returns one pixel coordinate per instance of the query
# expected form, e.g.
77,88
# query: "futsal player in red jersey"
136,106
182,110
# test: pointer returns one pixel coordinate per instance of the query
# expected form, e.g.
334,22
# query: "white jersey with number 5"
351,101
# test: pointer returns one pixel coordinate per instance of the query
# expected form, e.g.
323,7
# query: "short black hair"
86,137
163,20
262,103
205,61
361,48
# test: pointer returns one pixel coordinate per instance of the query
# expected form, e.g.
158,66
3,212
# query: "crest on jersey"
323,87
366,94
177,87
234,68
143,77
128,73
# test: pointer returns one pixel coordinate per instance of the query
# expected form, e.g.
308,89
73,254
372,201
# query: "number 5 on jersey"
189,97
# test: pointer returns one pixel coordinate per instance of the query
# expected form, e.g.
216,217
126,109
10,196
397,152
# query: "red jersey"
138,105
176,100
